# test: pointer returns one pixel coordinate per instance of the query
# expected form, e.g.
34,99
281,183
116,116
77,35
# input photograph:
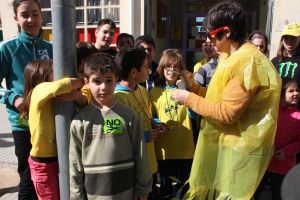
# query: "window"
94,10
79,3
100,9
46,12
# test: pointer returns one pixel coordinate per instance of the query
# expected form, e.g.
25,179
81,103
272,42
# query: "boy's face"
142,75
149,50
102,87
104,36
124,42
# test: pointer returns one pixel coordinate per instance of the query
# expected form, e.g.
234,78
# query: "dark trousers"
22,150
275,181
177,168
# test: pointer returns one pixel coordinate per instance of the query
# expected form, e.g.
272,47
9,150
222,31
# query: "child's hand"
154,134
145,197
19,103
279,155
163,127
72,96
188,77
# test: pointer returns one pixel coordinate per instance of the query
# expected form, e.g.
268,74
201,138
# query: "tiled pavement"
9,177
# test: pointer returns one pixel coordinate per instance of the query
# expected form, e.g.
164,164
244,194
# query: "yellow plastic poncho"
230,159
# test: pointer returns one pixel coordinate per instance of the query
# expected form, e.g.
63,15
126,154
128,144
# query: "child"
287,61
39,93
147,42
15,54
260,40
104,35
84,50
174,149
107,150
134,69
287,139
124,40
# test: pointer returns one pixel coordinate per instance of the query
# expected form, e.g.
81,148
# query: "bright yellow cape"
230,160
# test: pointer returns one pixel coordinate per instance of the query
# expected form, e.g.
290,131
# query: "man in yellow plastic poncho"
239,112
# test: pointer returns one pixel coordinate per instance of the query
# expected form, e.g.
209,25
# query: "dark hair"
35,72
170,57
144,39
84,50
129,58
17,3
286,81
281,51
259,34
228,13
106,21
100,63
124,35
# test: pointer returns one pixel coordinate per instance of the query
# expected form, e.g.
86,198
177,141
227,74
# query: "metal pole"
64,61
269,21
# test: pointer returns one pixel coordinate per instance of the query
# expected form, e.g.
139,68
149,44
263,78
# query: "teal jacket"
15,54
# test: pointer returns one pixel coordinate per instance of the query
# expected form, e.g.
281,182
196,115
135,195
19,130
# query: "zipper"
33,44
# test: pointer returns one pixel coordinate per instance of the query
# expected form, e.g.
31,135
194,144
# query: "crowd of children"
132,137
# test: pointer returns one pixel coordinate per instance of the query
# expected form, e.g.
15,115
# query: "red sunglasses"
213,33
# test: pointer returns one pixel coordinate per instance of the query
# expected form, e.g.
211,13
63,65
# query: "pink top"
287,139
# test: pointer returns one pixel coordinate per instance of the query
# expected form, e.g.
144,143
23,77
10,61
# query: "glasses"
212,34
173,70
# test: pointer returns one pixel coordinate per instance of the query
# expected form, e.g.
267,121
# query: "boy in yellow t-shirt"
135,69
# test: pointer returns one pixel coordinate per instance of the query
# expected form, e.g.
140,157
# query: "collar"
169,86
121,87
24,37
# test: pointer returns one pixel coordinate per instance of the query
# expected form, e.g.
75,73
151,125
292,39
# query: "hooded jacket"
15,54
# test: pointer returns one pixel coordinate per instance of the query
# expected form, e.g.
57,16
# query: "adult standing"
239,111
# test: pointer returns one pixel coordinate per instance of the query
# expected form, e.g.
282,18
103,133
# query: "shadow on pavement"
5,143
8,190
5,135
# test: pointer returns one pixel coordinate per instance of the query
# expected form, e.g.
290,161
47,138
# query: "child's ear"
16,19
96,31
133,71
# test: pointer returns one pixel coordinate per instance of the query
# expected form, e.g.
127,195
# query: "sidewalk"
9,177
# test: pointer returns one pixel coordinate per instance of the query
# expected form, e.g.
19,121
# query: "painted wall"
284,12
132,17
9,26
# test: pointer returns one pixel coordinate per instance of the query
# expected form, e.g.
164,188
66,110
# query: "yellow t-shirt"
139,101
176,143
200,63
41,116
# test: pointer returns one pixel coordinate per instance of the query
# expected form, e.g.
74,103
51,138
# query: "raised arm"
228,110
